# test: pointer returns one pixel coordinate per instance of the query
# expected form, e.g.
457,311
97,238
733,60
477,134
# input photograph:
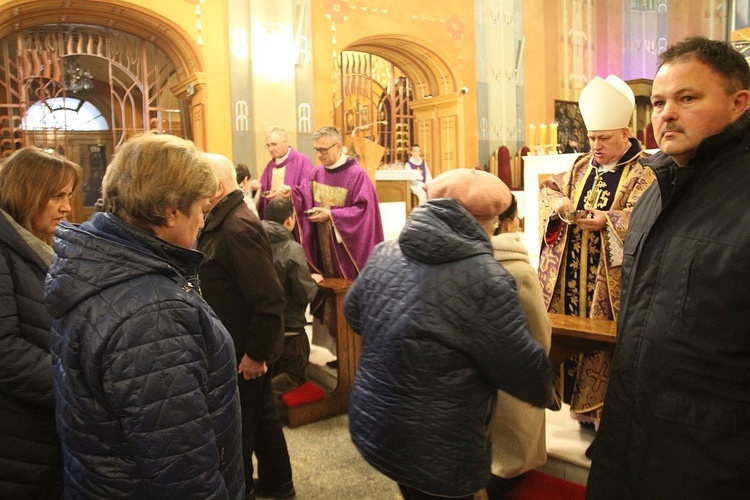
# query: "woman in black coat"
35,192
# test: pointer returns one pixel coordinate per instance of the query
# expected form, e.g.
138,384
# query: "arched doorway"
138,65
418,75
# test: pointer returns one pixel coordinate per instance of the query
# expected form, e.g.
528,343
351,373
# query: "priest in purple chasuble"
287,167
338,215
580,264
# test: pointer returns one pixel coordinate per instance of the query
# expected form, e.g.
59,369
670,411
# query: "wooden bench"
349,346
572,335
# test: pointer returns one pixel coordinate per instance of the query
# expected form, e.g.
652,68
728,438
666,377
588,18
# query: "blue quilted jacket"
144,372
442,329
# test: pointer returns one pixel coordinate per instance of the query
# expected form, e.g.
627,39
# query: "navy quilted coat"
442,329
144,372
31,466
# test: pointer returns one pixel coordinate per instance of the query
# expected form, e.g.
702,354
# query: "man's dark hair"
242,172
719,56
279,210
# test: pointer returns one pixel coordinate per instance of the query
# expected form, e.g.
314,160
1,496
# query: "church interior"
487,84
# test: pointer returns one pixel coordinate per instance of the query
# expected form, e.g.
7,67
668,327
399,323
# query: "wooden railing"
349,346
572,335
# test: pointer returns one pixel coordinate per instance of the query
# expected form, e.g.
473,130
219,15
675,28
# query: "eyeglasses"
321,151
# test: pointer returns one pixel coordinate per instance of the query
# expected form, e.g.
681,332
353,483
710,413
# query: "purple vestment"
423,169
297,166
341,247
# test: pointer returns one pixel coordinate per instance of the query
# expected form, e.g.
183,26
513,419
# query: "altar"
393,185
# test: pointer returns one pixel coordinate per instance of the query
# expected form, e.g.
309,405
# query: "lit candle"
543,135
553,135
531,142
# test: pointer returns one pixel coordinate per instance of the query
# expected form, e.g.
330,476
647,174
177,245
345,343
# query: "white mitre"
606,104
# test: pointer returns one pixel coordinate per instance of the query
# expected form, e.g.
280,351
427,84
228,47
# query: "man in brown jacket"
239,282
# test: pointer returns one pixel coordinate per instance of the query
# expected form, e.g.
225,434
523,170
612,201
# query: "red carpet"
539,486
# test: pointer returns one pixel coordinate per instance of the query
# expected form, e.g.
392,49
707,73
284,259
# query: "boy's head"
243,173
281,211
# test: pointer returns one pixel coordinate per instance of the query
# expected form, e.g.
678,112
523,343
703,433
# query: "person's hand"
317,277
562,205
595,221
255,184
251,369
320,215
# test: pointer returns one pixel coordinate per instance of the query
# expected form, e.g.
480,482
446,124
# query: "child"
300,287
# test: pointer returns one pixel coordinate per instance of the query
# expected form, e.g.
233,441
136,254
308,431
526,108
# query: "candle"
543,135
531,141
553,135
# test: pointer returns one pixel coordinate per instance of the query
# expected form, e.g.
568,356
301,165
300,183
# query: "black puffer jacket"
442,329
676,421
31,465
291,267
145,380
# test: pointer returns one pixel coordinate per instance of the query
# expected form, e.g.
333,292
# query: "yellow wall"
170,15
423,22
215,52
337,24
551,60
542,68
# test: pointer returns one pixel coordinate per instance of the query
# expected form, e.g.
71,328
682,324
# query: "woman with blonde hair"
517,430
145,374
35,192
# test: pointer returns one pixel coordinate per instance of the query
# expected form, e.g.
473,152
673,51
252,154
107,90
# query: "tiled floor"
327,465
566,447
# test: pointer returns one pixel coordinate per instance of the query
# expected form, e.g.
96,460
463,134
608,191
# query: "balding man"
239,282
287,167
580,263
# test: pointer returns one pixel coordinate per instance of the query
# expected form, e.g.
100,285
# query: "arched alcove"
427,70
179,47
438,106
137,57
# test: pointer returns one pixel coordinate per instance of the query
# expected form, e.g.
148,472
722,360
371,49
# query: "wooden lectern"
370,153
349,346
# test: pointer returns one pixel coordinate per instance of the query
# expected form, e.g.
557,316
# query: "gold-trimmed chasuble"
327,196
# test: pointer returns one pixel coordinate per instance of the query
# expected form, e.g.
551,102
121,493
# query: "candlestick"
553,135
543,135
531,142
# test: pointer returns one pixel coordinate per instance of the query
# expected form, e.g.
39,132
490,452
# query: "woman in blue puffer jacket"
144,372
442,330
36,188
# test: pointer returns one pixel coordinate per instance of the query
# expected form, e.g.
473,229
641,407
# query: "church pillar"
240,84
